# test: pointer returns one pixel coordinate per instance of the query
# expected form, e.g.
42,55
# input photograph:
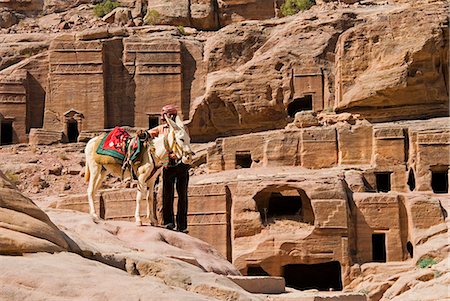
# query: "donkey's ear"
179,122
172,123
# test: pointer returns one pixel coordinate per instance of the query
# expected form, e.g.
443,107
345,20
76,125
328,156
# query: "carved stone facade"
91,85
13,104
75,65
157,69
407,153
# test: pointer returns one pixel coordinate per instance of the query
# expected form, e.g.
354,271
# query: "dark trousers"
176,175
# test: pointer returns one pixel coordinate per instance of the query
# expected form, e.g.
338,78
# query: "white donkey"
176,141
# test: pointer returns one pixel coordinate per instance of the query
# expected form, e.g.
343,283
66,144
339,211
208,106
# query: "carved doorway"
299,105
72,130
73,125
6,132
322,276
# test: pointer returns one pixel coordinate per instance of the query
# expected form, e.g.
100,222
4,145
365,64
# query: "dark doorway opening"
300,104
383,180
409,248
153,121
256,271
72,130
6,133
379,247
243,160
322,276
439,181
280,205
411,180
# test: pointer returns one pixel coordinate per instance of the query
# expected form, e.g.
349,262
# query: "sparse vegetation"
291,7
426,262
105,7
152,17
181,30
13,177
63,157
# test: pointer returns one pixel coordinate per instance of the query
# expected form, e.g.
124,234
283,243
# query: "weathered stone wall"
76,85
411,73
23,5
37,86
420,146
379,214
433,154
119,86
209,216
156,67
13,106
231,11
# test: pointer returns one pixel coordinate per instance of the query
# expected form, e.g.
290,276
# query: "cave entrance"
243,159
256,270
322,276
72,130
379,247
300,104
6,132
439,180
284,203
280,205
383,180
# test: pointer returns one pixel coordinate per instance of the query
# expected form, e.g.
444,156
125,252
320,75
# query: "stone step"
260,284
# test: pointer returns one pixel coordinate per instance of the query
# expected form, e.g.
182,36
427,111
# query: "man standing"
176,173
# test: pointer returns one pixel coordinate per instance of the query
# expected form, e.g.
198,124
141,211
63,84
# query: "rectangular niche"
243,159
383,181
439,179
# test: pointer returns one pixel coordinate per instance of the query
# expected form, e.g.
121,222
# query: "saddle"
119,147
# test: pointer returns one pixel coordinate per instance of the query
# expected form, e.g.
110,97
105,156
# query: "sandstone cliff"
384,61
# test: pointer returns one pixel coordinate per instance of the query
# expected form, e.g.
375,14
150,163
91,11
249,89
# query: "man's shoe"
169,226
185,231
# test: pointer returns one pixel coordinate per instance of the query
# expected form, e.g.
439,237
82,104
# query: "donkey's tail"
87,173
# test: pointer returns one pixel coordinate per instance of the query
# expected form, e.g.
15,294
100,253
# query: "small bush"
63,157
426,262
152,17
291,7
105,7
13,177
181,30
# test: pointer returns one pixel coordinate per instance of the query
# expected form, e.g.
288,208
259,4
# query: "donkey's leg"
151,210
141,190
151,201
95,181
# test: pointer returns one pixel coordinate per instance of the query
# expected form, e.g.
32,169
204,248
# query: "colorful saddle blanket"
119,145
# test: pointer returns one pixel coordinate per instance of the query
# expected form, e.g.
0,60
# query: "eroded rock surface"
24,227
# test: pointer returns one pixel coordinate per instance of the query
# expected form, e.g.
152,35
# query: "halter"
174,148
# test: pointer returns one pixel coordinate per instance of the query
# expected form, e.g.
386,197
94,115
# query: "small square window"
243,159
383,180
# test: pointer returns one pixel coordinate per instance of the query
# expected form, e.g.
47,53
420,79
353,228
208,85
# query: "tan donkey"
153,155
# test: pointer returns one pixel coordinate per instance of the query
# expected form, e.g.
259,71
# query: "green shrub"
152,17
181,30
291,7
426,262
13,177
105,7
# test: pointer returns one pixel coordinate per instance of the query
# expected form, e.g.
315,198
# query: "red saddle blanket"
115,144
